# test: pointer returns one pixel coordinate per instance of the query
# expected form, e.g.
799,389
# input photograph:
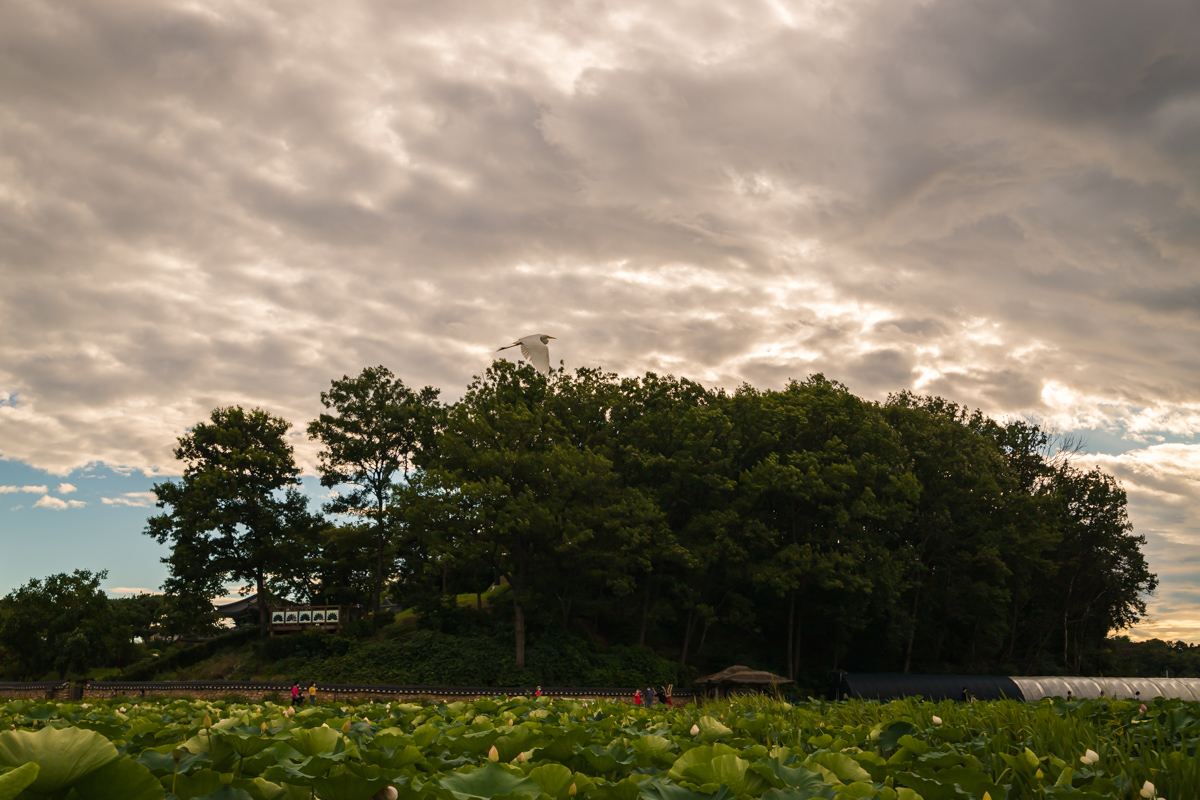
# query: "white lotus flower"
1147,790
1090,757
937,720
324,725
695,730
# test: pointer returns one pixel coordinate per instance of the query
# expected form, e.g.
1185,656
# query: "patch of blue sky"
92,518
1116,441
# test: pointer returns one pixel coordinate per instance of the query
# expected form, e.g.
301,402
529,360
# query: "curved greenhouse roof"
995,687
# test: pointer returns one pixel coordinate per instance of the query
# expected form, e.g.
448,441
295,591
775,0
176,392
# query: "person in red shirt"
637,697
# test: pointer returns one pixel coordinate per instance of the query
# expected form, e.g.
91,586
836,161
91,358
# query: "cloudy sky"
217,201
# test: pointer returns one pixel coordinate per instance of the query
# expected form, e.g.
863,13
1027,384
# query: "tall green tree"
823,488
377,428
236,514
545,495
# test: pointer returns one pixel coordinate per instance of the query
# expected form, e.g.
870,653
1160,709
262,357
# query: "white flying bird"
534,348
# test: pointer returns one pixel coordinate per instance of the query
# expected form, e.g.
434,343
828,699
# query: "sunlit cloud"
136,499
57,504
227,203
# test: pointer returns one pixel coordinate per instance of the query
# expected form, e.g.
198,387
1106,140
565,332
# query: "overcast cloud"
230,202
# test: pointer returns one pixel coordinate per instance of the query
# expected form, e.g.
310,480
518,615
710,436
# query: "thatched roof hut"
740,680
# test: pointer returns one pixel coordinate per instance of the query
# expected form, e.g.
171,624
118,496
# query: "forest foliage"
804,529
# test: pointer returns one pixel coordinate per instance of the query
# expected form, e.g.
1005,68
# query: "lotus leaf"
711,729
665,790
227,793
727,770
843,766
698,756
822,790
487,781
123,779
14,782
315,741
889,736
348,786
553,779
197,784
64,754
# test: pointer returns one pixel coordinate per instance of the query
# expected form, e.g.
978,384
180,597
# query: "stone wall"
257,692
34,691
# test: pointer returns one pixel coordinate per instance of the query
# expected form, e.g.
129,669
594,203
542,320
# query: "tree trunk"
264,605
645,615
519,626
687,637
799,629
378,588
912,629
791,645
1066,629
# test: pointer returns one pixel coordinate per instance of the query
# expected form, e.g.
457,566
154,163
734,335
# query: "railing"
368,689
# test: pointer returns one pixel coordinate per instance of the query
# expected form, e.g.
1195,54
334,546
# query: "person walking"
295,693
312,694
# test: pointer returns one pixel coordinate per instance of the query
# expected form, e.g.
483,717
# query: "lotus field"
544,749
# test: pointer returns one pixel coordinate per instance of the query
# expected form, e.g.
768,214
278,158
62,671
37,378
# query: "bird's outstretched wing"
537,354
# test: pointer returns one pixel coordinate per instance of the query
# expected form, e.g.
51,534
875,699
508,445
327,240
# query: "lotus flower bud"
1090,757
346,727
264,727
1147,790
207,721
987,796
390,793
521,758
324,724
1039,775
493,754
572,790
695,730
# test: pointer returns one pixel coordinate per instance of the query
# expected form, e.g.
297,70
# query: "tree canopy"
805,529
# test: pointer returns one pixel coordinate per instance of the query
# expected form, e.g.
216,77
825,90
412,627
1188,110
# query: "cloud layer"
233,202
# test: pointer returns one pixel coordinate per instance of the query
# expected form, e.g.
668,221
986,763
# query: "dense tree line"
66,623
805,530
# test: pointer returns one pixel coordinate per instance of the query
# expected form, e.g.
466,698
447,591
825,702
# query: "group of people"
649,696
646,697
298,694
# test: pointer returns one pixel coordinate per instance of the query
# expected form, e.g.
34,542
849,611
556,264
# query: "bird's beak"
551,337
